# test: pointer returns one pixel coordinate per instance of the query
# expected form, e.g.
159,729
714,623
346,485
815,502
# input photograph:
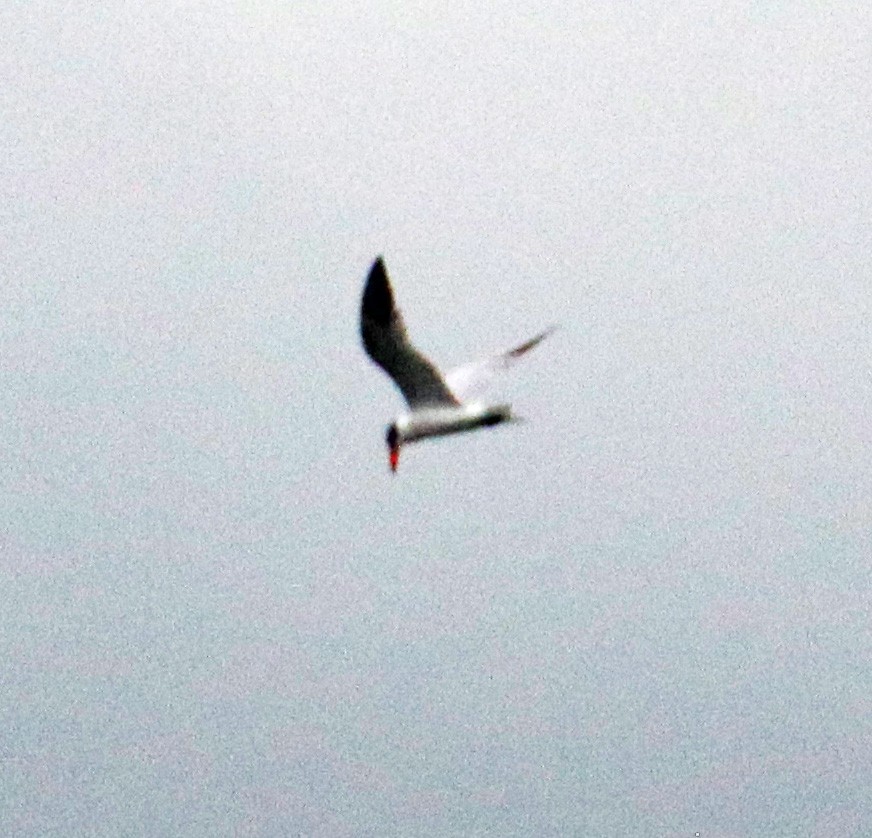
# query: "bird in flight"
438,405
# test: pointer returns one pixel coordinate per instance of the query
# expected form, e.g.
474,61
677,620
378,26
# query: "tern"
438,405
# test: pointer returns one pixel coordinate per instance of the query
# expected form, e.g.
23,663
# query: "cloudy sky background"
646,611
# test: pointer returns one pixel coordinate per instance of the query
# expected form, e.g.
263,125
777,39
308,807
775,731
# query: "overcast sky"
644,612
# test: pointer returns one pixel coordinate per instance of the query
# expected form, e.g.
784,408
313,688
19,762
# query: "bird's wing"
471,379
386,342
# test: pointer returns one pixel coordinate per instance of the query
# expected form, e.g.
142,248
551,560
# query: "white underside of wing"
471,380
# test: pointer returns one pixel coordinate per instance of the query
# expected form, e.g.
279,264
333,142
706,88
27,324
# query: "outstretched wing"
386,342
471,379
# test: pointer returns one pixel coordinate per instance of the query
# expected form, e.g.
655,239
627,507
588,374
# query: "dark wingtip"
378,300
533,342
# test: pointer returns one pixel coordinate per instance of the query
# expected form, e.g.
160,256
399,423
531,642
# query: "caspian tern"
437,405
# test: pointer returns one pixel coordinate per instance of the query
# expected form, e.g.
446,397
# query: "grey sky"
643,612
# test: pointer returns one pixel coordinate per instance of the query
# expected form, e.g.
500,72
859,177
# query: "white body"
440,421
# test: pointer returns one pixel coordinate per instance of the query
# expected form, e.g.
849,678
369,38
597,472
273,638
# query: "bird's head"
393,439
